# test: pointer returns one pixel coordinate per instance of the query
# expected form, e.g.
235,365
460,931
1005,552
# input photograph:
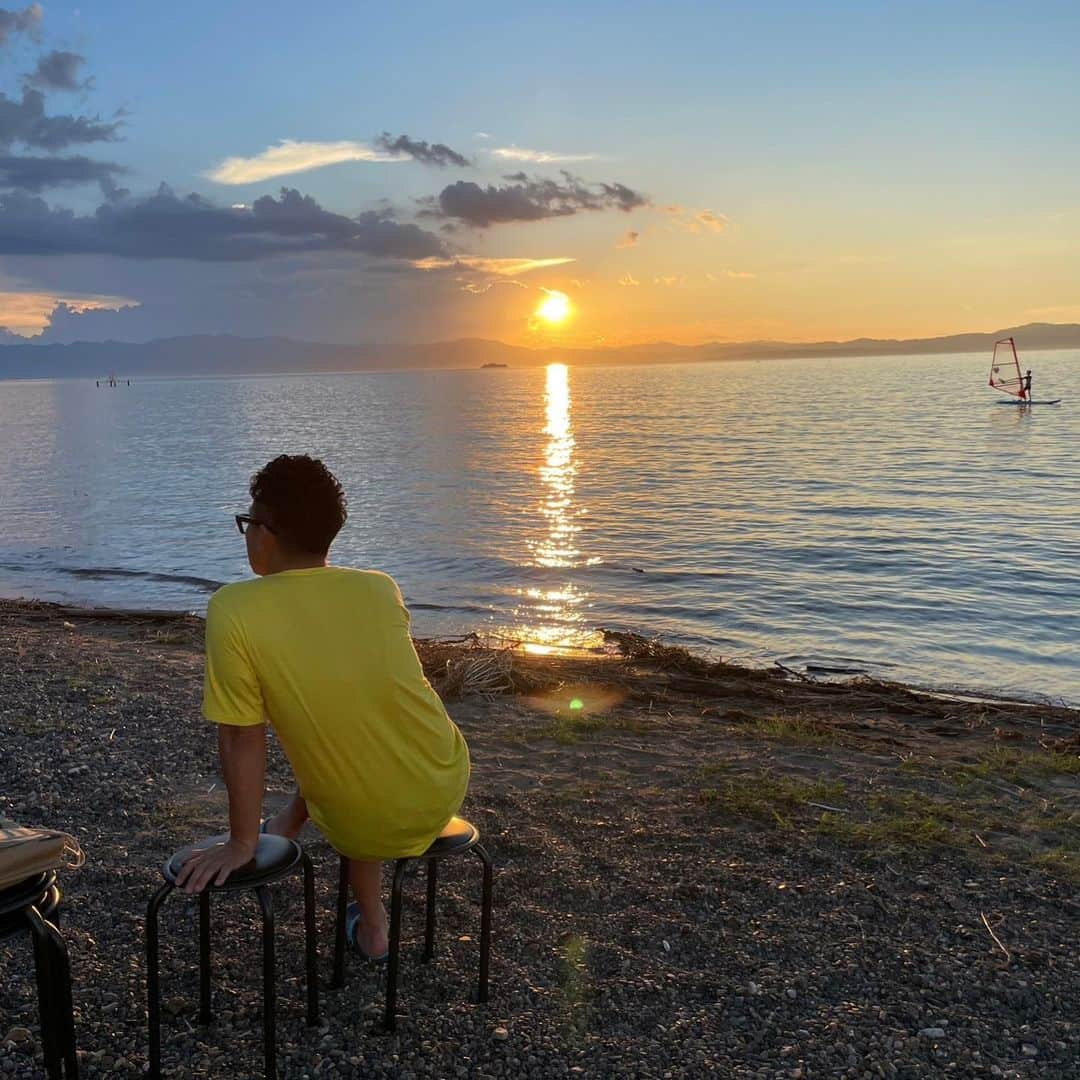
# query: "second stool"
459,837
276,857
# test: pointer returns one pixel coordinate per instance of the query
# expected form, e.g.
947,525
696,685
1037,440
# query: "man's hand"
213,864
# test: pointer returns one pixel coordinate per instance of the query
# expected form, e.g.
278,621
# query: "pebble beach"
701,870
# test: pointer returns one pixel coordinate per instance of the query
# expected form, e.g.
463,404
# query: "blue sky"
878,168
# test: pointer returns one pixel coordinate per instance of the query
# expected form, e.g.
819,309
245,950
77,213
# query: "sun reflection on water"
552,615
557,473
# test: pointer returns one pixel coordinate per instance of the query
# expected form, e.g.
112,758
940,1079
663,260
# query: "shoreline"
944,690
700,868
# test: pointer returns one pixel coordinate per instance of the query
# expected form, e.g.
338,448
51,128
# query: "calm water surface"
880,515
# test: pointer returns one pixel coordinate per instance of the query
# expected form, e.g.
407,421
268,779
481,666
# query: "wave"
104,573
414,605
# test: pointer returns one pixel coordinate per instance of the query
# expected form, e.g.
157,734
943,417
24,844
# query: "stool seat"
458,836
275,856
26,892
44,898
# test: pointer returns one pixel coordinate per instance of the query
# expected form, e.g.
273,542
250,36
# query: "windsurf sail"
1005,372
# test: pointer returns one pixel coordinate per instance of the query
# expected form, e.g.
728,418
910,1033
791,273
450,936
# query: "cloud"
629,281
38,173
28,313
706,219
168,226
290,156
629,239
503,267
438,154
525,199
19,22
24,121
80,319
696,221
737,274
478,288
667,280
59,70
539,157
333,297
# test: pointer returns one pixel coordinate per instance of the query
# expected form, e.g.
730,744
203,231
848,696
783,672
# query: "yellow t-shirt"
324,656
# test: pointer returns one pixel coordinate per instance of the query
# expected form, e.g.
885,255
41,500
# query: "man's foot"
371,942
288,822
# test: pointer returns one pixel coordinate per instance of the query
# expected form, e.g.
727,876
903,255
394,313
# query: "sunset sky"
678,171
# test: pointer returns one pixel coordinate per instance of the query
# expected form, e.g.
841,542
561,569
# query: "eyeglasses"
244,520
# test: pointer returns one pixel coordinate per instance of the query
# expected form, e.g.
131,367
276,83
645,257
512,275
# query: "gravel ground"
641,929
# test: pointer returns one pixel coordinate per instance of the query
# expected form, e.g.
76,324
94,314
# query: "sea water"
879,515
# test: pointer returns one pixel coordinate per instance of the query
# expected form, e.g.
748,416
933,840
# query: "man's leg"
290,819
373,931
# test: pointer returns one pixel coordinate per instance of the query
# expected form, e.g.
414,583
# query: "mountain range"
226,355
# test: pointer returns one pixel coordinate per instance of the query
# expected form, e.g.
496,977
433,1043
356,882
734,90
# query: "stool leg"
266,903
153,985
429,926
65,1011
338,979
485,925
51,1024
311,946
205,1015
390,1019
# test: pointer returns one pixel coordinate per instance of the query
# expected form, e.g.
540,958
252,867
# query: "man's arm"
243,762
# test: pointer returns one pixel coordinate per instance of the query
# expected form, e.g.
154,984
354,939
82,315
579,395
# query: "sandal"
353,918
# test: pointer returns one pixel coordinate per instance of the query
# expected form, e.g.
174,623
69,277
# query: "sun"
554,308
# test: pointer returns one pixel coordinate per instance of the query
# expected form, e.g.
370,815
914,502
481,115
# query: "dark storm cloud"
169,226
38,173
19,22
24,121
59,70
528,199
620,197
429,153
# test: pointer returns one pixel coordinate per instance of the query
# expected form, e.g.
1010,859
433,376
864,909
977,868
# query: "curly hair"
304,500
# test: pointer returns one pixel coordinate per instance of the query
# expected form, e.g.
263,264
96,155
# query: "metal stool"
457,838
32,906
275,858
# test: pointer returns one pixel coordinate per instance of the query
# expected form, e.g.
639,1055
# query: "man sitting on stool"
323,654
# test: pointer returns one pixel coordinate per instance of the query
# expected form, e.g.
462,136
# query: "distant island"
226,355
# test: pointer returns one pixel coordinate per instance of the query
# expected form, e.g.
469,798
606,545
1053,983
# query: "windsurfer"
1027,385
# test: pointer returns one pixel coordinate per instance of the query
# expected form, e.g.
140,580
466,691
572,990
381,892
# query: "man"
1026,386
323,654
